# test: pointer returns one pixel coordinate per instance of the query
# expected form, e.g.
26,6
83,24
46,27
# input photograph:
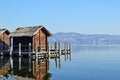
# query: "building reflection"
40,69
25,67
4,66
20,67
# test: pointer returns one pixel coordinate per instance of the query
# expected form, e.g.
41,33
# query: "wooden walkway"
53,50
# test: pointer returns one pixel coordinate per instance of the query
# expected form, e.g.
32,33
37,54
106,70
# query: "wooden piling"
70,47
36,57
19,49
56,46
30,64
59,46
49,49
10,51
59,63
55,53
19,63
56,63
11,47
29,49
70,56
37,51
65,48
11,63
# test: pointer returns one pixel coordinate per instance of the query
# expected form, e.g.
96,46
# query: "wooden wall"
40,40
5,68
40,70
5,41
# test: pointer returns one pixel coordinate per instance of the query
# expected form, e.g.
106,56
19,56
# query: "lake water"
84,63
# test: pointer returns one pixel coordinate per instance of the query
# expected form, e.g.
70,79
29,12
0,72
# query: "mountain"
85,39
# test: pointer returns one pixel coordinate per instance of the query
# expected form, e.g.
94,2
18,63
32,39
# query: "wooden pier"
53,50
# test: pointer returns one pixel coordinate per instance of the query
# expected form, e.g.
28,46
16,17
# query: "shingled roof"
28,31
3,30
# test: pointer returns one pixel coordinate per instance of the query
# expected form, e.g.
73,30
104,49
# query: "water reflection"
27,68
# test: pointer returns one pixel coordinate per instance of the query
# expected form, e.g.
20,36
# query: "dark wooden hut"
4,40
36,35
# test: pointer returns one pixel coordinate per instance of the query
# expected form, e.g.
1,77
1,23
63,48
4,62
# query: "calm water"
85,63
89,63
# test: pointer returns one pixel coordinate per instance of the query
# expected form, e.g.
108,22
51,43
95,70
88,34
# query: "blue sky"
82,16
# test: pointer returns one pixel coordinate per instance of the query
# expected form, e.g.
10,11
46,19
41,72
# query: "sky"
80,16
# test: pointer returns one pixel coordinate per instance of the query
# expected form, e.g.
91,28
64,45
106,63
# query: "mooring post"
19,49
59,63
70,47
10,51
59,45
65,48
49,49
19,63
30,64
36,51
55,46
68,50
11,63
11,46
36,64
56,63
30,50
36,57
55,53
70,56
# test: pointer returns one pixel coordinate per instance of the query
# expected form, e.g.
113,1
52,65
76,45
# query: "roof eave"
4,31
42,27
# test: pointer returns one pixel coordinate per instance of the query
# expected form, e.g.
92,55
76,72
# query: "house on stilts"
4,40
34,36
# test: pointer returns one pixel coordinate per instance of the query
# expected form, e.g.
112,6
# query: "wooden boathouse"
4,40
29,37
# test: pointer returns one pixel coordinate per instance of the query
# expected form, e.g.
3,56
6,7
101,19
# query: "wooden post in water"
30,64
49,49
10,51
30,50
19,49
11,63
55,49
65,51
65,47
70,47
51,46
59,45
36,65
36,57
59,63
11,46
70,51
19,63
70,56
37,51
